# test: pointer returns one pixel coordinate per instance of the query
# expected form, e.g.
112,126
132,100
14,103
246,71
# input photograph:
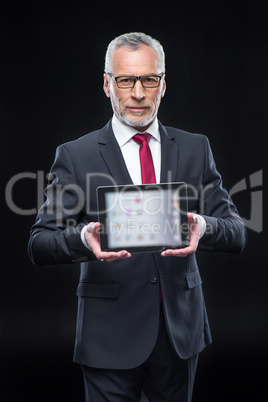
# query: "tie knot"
139,138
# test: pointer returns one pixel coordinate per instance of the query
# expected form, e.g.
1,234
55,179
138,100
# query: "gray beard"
131,123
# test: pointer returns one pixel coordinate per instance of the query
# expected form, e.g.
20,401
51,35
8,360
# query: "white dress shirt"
130,149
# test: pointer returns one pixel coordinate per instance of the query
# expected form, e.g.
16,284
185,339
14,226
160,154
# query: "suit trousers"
162,377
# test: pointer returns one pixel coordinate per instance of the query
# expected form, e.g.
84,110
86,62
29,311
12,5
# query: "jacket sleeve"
225,229
55,236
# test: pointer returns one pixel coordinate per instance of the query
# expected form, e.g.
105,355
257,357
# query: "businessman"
141,319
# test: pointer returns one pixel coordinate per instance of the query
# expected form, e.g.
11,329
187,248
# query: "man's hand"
92,238
194,235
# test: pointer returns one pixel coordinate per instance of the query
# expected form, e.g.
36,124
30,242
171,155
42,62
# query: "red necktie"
146,160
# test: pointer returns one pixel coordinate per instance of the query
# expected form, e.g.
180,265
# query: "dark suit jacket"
118,302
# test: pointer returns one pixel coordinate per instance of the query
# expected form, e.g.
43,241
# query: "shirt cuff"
84,237
202,224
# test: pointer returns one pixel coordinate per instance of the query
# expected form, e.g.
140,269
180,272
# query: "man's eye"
125,80
151,80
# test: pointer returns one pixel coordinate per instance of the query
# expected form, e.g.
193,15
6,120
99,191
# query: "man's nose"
138,91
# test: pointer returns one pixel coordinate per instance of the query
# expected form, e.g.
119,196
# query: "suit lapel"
112,155
169,156
113,158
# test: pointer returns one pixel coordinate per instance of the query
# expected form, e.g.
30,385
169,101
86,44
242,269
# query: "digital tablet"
143,218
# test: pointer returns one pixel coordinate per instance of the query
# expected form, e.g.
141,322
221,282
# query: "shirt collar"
124,133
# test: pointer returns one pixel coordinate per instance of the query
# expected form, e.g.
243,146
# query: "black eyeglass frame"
137,79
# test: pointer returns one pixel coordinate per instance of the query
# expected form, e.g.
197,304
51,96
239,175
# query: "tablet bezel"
102,214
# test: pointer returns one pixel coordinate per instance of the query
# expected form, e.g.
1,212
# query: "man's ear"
164,89
106,85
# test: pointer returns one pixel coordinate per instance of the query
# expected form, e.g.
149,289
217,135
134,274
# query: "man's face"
136,107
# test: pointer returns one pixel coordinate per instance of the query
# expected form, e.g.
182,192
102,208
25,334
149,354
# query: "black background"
52,56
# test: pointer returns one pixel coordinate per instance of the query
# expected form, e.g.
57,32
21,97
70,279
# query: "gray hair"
132,41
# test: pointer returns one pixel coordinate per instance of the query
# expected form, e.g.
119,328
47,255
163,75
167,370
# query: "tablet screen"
142,218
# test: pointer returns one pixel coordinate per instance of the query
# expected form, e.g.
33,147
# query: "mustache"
138,105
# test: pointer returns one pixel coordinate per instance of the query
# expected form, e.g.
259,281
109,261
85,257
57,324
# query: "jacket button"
153,279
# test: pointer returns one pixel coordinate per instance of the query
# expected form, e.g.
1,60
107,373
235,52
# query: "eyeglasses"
129,81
